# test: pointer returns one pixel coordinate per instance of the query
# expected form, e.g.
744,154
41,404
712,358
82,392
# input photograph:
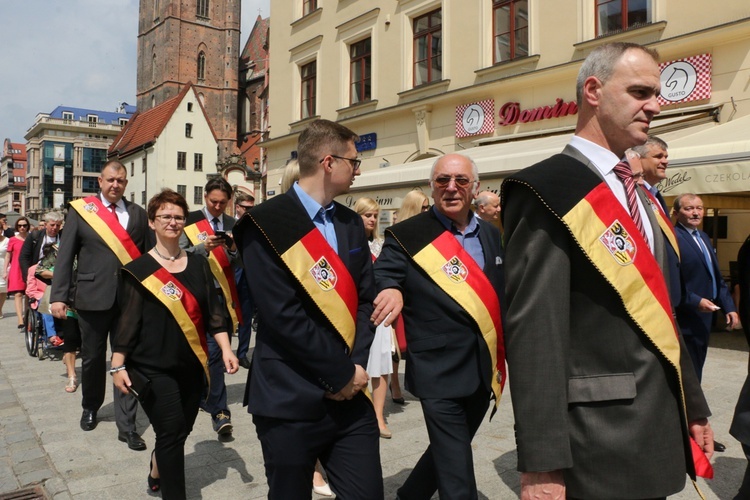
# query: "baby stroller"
38,343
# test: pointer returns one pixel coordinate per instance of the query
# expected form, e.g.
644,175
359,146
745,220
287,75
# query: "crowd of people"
592,305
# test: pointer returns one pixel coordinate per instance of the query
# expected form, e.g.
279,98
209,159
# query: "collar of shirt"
469,239
472,227
119,206
603,159
210,217
312,207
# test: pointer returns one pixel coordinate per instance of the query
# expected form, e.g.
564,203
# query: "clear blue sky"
79,53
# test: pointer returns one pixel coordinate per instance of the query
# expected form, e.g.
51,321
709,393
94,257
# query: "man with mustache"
706,291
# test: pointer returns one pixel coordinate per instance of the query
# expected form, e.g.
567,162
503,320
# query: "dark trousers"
447,465
172,406
95,327
697,347
246,304
346,441
216,400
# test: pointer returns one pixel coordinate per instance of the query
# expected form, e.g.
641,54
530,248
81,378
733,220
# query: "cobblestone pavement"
42,442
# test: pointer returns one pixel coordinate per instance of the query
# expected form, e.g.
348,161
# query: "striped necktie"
623,172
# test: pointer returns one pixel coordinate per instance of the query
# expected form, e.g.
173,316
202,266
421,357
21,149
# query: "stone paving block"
30,465
27,455
8,484
35,477
18,437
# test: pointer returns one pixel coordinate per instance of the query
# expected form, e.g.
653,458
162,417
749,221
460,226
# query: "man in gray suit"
597,368
103,232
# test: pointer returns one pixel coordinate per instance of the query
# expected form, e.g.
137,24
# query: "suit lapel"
693,245
342,239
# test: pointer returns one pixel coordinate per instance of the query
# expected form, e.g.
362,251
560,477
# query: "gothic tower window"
201,66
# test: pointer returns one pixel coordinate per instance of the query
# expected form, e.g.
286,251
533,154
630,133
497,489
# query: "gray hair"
601,63
678,201
53,216
474,169
651,141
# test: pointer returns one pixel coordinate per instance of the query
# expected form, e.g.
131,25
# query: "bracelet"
116,369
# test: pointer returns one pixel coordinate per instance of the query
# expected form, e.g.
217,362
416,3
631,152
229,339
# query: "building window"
202,8
613,16
428,65
511,29
90,185
93,159
123,121
181,160
153,75
144,164
197,195
361,71
190,107
93,120
308,73
308,6
182,190
67,116
188,130
143,198
132,168
201,66
198,162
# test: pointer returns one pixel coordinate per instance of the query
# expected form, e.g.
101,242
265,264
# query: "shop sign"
476,118
685,80
367,142
723,178
511,112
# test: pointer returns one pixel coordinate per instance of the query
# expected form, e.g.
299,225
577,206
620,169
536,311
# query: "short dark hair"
162,198
219,183
320,138
113,164
2,215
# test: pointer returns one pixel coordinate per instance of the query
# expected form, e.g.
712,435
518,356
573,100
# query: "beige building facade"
495,80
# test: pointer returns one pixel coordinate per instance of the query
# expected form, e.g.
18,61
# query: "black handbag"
140,385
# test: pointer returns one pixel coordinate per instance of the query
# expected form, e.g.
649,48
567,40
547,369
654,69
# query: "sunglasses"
23,225
444,180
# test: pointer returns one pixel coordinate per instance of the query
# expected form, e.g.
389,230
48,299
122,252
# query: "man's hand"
703,434
389,301
707,306
732,320
58,309
542,485
356,384
212,242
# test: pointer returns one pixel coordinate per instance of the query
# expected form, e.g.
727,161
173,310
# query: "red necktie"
623,172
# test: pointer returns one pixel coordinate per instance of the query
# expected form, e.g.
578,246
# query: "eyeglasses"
355,162
166,219
444,180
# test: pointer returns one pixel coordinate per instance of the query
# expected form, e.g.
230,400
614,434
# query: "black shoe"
222,423
88,420
154,483
719,447
135,442
245,363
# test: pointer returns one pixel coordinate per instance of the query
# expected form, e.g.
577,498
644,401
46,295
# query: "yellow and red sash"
457,274
608,236
107,226
664,223
221,268
180,303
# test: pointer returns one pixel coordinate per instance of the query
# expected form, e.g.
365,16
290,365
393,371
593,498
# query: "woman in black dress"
168,306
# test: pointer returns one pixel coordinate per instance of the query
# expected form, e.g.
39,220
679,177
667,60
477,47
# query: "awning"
711,161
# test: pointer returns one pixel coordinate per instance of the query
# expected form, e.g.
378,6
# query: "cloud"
80,53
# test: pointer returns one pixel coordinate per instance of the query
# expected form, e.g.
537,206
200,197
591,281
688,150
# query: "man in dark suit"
596,365
33,246
705,289
312,283
447,265
200,237
103,232
242,203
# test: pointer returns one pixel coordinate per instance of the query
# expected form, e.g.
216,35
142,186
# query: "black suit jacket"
30,250
447,356
98,266
298,356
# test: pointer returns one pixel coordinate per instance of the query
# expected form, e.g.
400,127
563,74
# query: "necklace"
171,257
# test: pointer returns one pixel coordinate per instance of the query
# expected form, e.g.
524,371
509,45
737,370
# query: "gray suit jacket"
98,266
592,395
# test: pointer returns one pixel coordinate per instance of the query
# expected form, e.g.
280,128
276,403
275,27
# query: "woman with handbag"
168,305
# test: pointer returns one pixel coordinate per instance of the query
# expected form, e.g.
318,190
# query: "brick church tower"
198,41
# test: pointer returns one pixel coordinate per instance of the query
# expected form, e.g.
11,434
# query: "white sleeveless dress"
379,363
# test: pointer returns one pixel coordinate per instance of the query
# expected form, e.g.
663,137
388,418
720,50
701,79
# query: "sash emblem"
324,275
91,207
171,291
456,270
619,243
202,237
